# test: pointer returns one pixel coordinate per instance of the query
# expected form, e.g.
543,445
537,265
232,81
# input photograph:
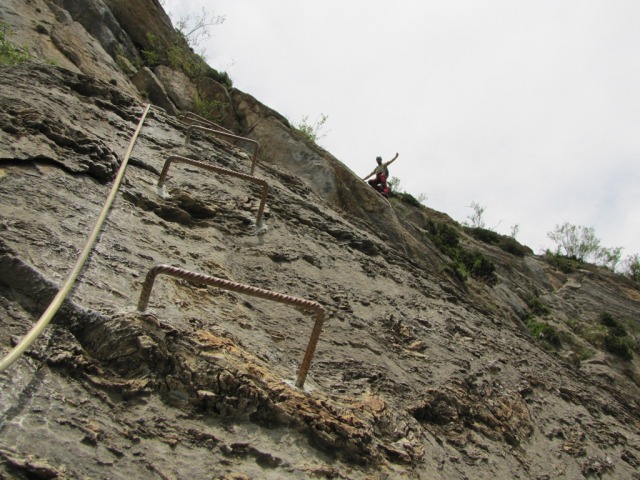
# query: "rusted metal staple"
223,171
190,116
227,135
315,308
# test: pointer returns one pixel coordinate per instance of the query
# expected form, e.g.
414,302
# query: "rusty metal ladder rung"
193,118
223,171
253,142
307,305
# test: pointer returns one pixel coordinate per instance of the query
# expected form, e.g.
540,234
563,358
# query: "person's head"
379,160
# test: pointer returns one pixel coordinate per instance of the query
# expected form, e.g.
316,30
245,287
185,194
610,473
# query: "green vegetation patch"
504,242
10,54
464,262
538,307
479,266
180,56
313,132
213,110
544,332
444,236
616,340
563,263
608,334
407,198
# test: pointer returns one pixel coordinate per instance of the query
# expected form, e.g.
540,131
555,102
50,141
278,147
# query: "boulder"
148,84
179,87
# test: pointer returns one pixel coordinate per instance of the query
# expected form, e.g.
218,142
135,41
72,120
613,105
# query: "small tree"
631,267
609,257
196,28
312,131
394,184
575,241
476,220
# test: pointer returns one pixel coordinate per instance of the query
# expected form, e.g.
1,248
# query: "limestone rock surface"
418,373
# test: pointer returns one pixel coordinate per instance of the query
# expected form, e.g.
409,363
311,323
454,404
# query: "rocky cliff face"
417,374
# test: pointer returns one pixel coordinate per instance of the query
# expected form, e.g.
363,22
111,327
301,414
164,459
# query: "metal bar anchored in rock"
190,116
318,311
255,144
222,171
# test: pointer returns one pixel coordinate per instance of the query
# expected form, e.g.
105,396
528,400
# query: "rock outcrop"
141,18
152,88
179,87
99,22
418,373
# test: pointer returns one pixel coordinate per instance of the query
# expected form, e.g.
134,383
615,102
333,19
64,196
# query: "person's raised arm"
392,160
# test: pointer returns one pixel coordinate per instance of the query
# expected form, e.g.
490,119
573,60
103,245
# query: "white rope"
55,305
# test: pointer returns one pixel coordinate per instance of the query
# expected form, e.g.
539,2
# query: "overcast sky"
528,108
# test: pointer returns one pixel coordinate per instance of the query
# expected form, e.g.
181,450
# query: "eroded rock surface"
416,375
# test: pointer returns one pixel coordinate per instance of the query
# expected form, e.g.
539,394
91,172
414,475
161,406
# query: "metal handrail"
56,303
206,122
224,171
307,305
228,135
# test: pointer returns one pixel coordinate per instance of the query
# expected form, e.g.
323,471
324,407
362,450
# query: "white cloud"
531,109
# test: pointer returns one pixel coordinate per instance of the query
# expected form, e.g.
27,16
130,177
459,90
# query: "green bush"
585,354
620,346
512,246
508,244
547,334
213,110
479,266
594,334
9,53
407,198
484,235
476,220
180,56
538,307
444,236
631,267
614,326
575,324
465,262
616,340
456,270
220,77
562,263
395,187
544,332
154,56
